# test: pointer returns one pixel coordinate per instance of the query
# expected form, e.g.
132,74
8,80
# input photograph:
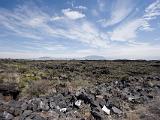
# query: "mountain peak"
94,57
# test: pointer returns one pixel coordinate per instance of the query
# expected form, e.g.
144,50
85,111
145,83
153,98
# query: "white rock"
116,110
130,98
58,108
99,96
105,109
116,82
41,104
78,103
63,109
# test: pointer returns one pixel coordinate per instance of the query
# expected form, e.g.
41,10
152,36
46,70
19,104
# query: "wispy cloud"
120,10
20,21
73,15
34,23
151,13
152,10
128,31
81,7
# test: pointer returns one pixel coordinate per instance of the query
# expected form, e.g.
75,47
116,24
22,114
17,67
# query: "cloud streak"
119,11
32,22
128,31
73,15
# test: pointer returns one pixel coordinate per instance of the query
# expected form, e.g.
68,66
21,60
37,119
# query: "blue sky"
116,29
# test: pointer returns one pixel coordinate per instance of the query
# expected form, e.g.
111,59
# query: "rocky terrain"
79,90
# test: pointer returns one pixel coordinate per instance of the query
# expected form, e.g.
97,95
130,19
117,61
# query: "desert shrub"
10,77
75,84
37,88
22,70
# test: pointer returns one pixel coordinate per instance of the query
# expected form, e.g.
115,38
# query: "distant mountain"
94,57
91,57
53,58
44,58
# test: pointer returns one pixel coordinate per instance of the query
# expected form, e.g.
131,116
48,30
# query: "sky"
115,29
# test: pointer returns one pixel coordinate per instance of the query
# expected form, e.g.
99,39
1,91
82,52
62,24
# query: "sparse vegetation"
113,83
78,73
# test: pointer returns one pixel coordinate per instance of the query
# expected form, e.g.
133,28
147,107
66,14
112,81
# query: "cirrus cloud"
73,15
128,31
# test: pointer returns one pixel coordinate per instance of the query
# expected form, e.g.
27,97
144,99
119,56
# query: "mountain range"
90,57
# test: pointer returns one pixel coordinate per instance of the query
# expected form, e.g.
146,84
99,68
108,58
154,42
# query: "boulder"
36,117
26,113
7,116
9,89
43,105
87,98
97,115
17,111
52,105
62,104
24,106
